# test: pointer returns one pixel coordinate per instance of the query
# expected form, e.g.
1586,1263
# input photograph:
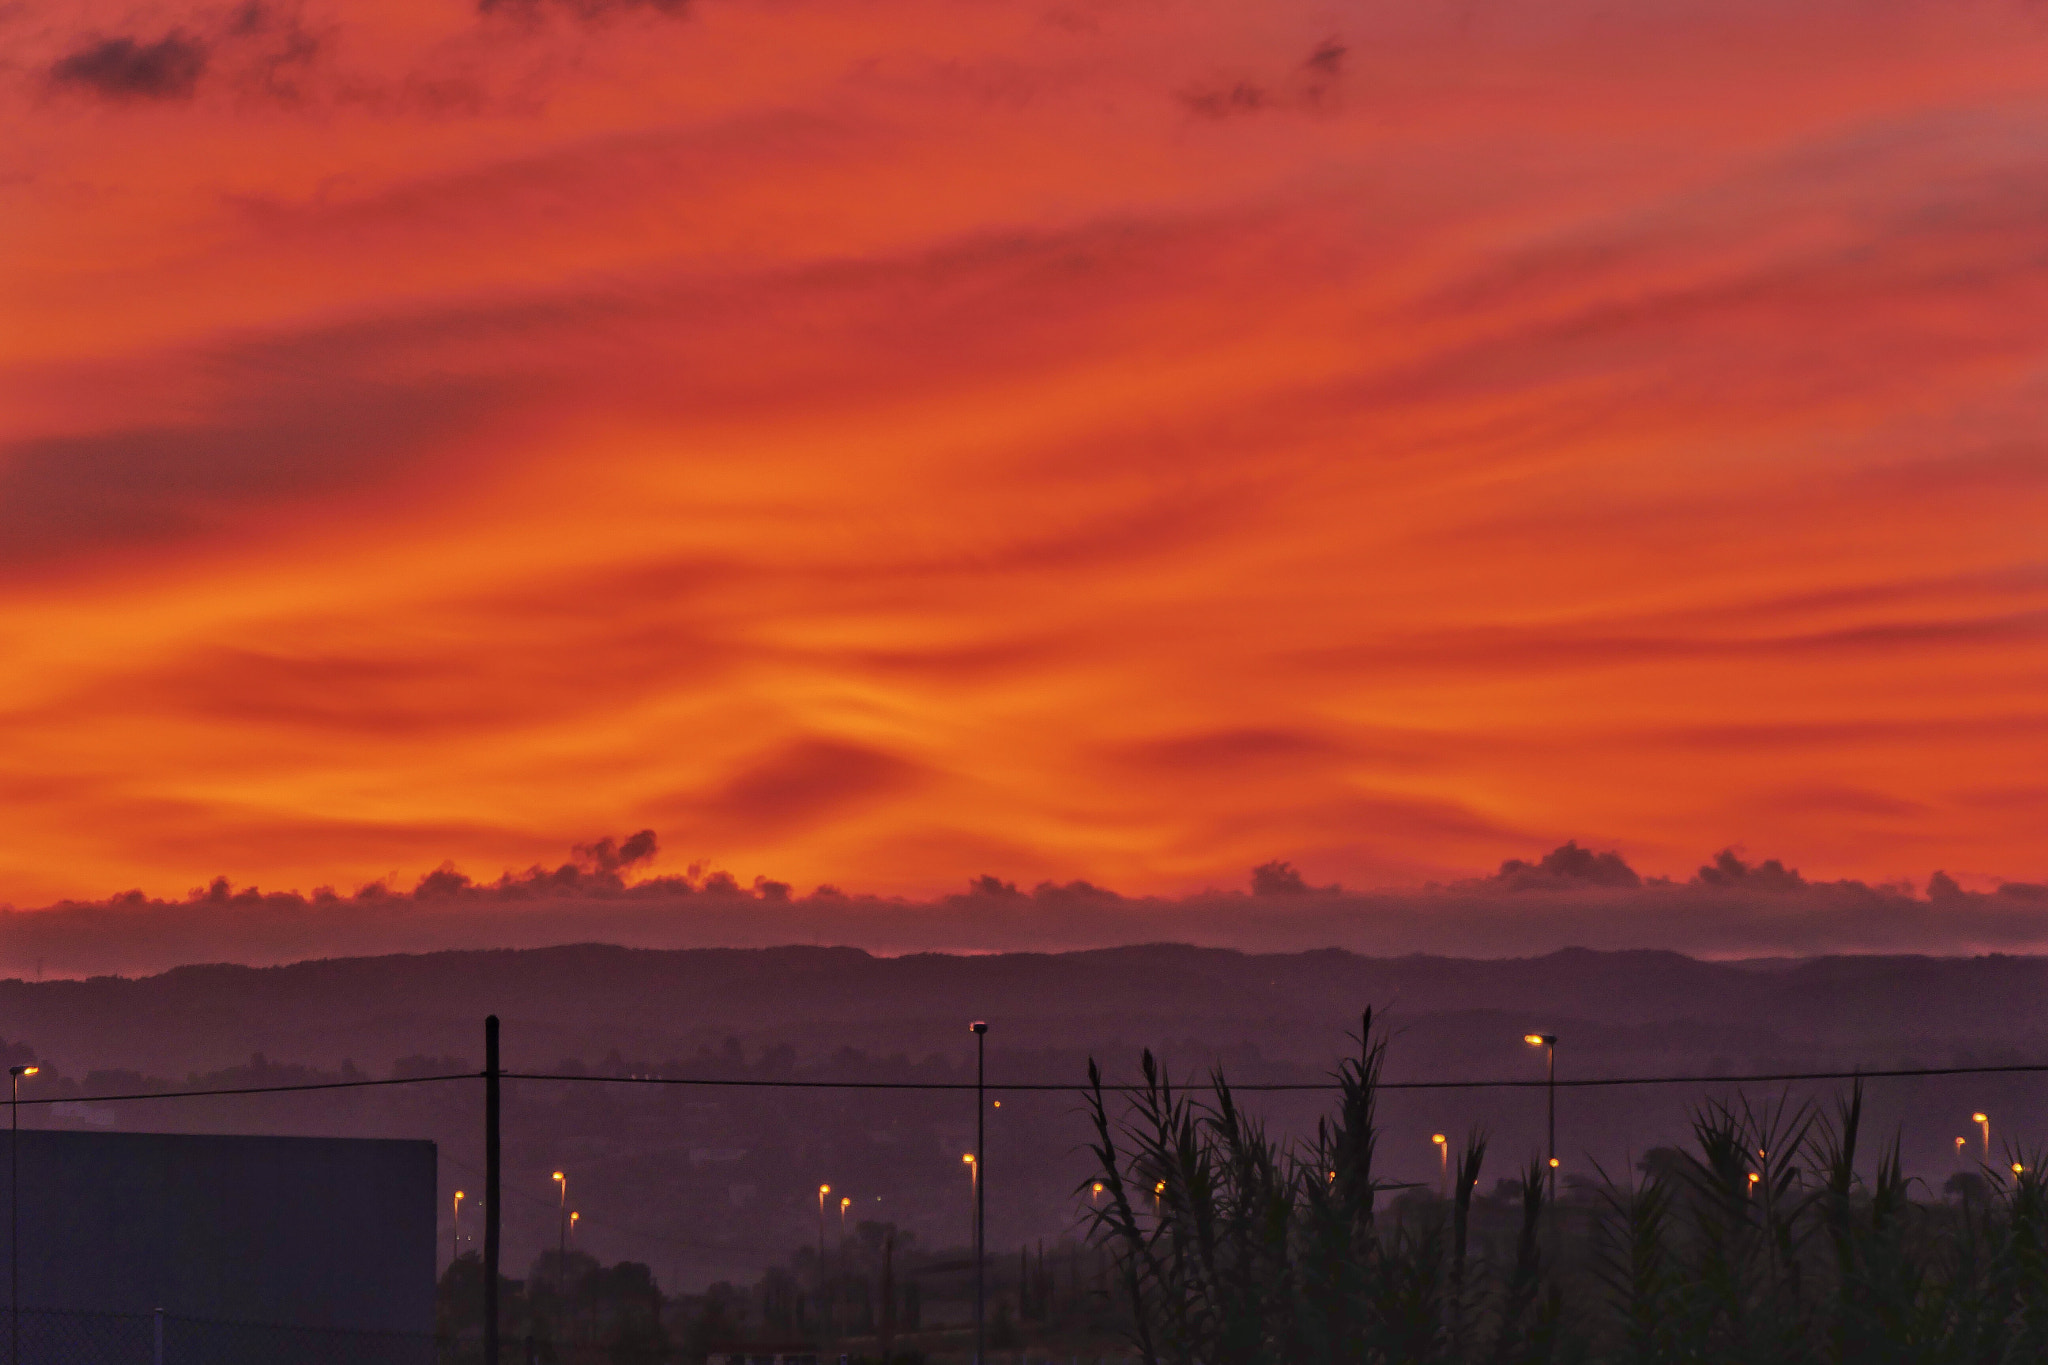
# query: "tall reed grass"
1775,1236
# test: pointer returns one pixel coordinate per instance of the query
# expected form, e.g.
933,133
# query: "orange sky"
886,442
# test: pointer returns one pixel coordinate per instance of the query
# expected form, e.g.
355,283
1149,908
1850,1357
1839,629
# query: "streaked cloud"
1100,445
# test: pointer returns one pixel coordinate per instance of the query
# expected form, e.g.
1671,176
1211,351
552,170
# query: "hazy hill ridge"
585,1000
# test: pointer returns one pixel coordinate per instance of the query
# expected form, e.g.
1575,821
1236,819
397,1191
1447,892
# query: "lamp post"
1983,1121
980,1031
1548,1042
573,1216
14,1075
561,1178
455,1234
1443,1162
845,1203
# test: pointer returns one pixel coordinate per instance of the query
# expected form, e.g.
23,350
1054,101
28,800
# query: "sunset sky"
882,442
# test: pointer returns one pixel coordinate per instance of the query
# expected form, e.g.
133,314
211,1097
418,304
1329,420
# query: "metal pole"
980,1180
14,1218
1550,1094
491,1188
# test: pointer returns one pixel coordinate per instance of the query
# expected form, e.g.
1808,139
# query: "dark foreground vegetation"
1781,1233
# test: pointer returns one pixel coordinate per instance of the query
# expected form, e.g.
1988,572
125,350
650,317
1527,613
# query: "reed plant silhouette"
1779,1235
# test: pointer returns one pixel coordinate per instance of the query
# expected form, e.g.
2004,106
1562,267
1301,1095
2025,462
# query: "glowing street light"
1983,1121
455,1238
845,1203
1443,1161
14,1075
1095,1192
1548,1042
1159,1191
1959,1150
561,1178
573,1216
2018,1169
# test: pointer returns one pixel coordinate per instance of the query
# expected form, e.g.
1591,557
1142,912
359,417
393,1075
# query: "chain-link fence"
47,1337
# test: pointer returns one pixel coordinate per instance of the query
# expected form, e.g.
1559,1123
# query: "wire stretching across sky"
1012,1087
1538,1083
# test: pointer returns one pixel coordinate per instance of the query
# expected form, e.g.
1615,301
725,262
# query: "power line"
1066,1087
250,1089
1538,1083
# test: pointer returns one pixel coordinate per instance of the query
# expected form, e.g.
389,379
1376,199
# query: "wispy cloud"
895,444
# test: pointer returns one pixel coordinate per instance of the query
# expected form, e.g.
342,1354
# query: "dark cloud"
1566,867
1570,897
65,496
1310,86
126,68
1727,870
1221,99
608,855
1278,878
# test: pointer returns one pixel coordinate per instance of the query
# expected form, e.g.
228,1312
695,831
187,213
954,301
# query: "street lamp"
1983,1121
845,1203
1548,1042
573,1216
455,1237
562,1240
1094,1192
14,1075
1443,1161
979,1029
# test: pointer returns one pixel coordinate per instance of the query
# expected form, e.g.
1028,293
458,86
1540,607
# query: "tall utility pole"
14,1075
1548,1042
562,1246
980,1179
491,1190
